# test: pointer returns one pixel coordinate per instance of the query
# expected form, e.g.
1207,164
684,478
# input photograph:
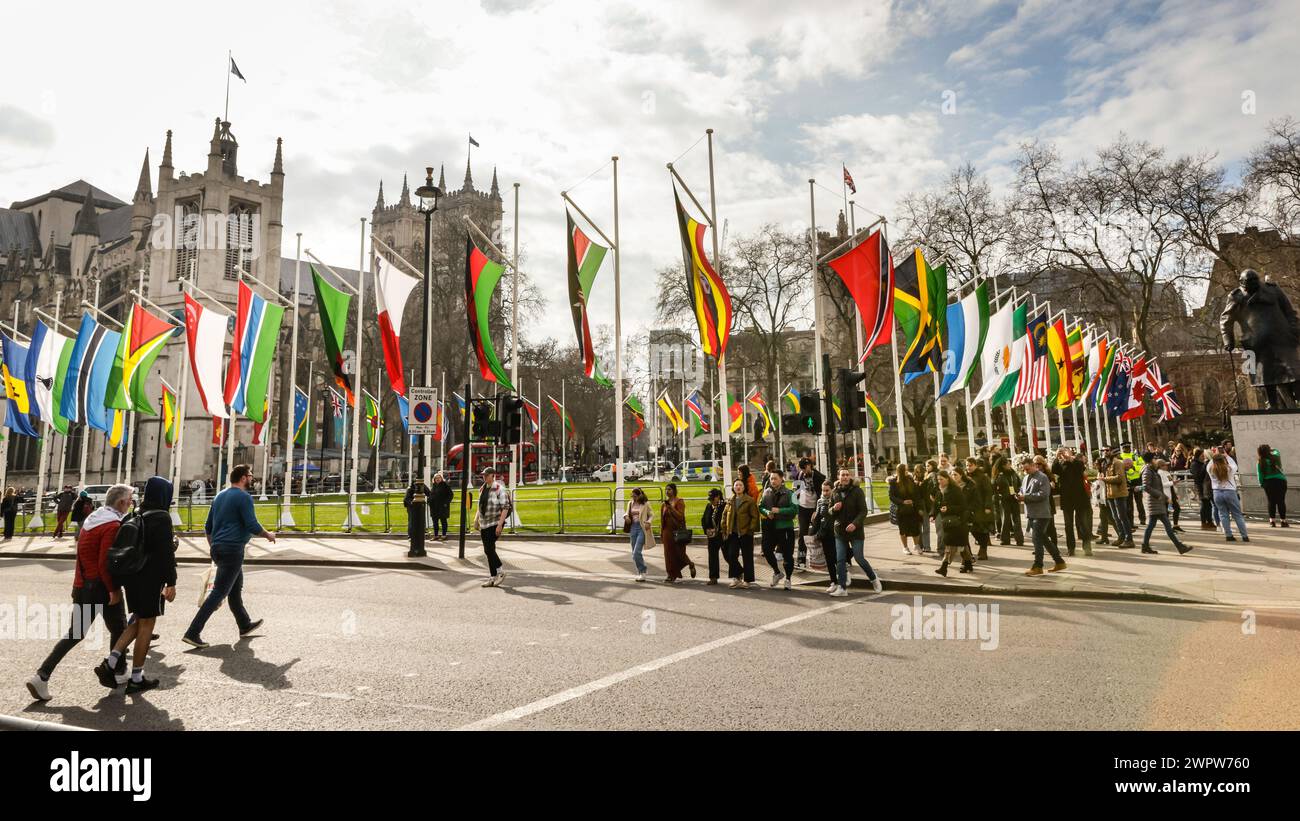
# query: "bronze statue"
1270,331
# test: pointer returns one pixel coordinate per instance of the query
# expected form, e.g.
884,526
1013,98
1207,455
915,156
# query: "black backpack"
127,556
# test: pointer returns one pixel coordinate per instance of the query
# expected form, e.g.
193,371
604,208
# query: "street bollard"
416,524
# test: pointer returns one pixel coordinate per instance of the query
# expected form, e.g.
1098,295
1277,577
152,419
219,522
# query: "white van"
699,470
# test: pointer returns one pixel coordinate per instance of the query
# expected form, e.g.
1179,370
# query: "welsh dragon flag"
141,341
585,258
481,278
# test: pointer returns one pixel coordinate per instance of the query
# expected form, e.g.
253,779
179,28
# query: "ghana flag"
710,301
920,298
333,305
585,258
481,278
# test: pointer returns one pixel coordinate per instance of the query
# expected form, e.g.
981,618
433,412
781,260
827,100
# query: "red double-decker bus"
497,457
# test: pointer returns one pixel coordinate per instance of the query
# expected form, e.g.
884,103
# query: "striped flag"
481,278
710,300
694,406
568,420
755,398
674,418
140,343
205,331
873,410
867,271
301,422
392,290
585,258
168,414
792,398
1033,381
848,180
21,403
257,329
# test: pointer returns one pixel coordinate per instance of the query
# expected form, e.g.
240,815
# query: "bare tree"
1273,173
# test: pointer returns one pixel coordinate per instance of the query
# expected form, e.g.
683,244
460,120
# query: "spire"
406,193
87,219
379,203
496,192
278,168
214,148
167,151
144,188
469,180
442,179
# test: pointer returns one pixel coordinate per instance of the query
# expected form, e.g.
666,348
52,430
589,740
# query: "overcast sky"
368,91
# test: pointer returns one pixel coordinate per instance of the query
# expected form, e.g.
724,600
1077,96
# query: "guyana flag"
481,278
876,418
141,342
374,420
169,414
568,420
710,300
670,413
585,258
334,305
637,410
920,303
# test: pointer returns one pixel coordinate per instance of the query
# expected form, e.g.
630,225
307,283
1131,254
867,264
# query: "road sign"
422,419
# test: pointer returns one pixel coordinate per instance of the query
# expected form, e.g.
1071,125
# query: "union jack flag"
1163,393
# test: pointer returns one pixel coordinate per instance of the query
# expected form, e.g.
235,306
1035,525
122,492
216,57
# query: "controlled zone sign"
422,418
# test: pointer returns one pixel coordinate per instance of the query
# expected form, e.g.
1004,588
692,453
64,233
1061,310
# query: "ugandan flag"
169,414
333,305
141,341
585,258
481,278
920,302
568,420
637,410
670,413
710,301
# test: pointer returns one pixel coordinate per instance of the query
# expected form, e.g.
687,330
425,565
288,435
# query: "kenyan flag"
481,278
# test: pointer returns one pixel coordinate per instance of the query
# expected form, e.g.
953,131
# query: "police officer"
1134,474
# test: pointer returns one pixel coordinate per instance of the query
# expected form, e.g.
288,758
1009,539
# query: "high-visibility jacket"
1135,472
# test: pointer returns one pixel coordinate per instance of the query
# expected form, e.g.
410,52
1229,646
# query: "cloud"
20,128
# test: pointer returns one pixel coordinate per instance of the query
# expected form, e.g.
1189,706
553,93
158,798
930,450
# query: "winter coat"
853,511
1073,487
740,515
979,502
780,503
956,527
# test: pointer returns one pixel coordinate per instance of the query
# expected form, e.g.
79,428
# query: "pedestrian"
439,496
956,532
93,590
751,486
1097,490
849,510
1170,483
82,508
904,502
231,522
1116,481
979,502
711,524
1201,482
63,509
805,496
739,520
148,588
776,510
1076,507
1223,483
1133,472
1156,495
638,523
930,493
1273,480
1005,485
823,525
1036,493
494,506
672,520
9,509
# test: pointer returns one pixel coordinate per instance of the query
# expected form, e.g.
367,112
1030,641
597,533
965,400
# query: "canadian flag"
1138,385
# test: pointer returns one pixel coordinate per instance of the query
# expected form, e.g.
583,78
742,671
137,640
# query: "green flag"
333,305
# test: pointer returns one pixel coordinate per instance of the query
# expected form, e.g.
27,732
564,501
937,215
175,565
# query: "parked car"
97,493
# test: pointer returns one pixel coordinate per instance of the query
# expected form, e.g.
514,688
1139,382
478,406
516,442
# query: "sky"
899,93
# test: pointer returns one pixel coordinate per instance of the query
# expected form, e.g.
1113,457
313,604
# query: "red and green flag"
333,305
568,420
585,258
481,278
735,413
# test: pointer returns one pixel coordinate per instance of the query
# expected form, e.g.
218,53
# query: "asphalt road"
347,648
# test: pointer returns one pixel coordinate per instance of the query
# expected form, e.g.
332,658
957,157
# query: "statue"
1270,332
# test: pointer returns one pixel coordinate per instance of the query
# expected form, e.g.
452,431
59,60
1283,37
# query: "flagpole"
131,414
379,426
900,420
970,424
744,411
286,511
442,443
307,428
722,357
41,481
818,376
85,426
183,389
517,449
780,438
540,419
410,448
353,520
229,63
266,444
618,353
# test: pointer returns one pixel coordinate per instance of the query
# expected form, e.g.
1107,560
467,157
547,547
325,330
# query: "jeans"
842,559
1078,519
638,542
925,533
227,585
1152,519
1229,507
489,536
1275,489
439,527
778,539
1123,532
83,616
740,556
1103,523
1010,522
1038,532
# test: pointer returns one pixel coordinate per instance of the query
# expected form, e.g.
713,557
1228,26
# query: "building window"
187,240
239,240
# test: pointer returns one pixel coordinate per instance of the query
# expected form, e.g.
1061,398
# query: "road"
348,648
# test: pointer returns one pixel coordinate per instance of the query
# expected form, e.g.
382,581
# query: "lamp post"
428,195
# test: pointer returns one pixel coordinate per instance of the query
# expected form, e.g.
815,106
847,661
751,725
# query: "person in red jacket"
93,590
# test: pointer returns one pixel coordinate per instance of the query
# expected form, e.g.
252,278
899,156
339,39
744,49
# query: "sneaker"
106,675
1245,538
833,589
735,584
195,642
1183,549
848,580
1150,552
501,577
710,581
840,593
251,627
141,686
39,688
1034,571
744,585
877,586
491,582
640,577
776,578
787,582
1230,539
1059,566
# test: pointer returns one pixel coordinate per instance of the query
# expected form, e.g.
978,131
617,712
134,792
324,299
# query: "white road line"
649,667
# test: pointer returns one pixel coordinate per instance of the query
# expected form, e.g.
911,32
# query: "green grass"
581,508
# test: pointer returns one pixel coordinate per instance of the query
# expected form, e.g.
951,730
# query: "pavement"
1262,572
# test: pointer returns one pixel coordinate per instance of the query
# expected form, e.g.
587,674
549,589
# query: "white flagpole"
353,519
266,444
228,428
85,426
36,520
564,432
818,376
780,437
618,356
541,417
744,411
442,443
181,390
864,433
286,513
517,450
306,449
970,424
130,421
900,421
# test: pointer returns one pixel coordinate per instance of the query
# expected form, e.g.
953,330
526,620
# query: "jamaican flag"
920,303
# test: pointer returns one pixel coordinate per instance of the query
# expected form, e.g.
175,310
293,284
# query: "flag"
374,420
918,299
867,271
259,426
1137,389
1033,381
1000,358
440,430
1060,372
392,290
139,345
835,406
1163,394
710,300
534,412
792,398
117,429
1107,353
62,354
473,141
735,413
599,376
568,420
1096,355
47,350
585,258
1078,349
874,411
333,305
234,69
694,406
301,404
257,329
216,431
755,398
1119,390
848,180
98,414
89,336
205,331
481,278
14,367
339,414
967,328
638,413
460,405
168,414
670,413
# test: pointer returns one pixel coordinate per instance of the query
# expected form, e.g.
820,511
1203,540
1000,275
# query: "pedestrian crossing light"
483,421
854,409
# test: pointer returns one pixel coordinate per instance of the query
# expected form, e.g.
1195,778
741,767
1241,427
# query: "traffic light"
810,414
853,409
483,422
791,424
512,420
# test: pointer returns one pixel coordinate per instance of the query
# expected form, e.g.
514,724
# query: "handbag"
683,535
627,523
208,583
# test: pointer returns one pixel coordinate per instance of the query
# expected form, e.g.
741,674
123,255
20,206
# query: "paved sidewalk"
1264,572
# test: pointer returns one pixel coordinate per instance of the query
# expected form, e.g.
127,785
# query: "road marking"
649,667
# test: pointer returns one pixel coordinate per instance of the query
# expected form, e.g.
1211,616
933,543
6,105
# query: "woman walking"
440,505
1223,482
711,524
639,520
979,500
672,518
739,520
956,534
904,496
9,509
1273,480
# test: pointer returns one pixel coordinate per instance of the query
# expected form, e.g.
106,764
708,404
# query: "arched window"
239,240
187,240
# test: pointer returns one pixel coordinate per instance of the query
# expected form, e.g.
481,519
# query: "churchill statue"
1270,333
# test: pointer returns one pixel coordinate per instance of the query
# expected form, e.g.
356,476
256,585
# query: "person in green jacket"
849,510
777,510
1273,480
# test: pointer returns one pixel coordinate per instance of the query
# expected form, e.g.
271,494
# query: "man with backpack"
143,561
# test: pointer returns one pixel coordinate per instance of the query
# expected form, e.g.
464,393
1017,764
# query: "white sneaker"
491,582
501,577
39,688
876,585
736,583
840,593
776,578
640,577
848,580
833,589
787,582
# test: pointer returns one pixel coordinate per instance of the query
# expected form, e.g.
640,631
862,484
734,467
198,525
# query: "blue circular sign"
423,412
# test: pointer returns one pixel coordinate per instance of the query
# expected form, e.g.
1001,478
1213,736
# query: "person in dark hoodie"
146,590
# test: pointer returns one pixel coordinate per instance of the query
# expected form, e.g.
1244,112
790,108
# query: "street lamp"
428,195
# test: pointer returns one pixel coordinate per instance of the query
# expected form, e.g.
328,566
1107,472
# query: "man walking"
231,523
1157,501
493,508
777,512
1075,504
1117,500
1036,493
63,509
